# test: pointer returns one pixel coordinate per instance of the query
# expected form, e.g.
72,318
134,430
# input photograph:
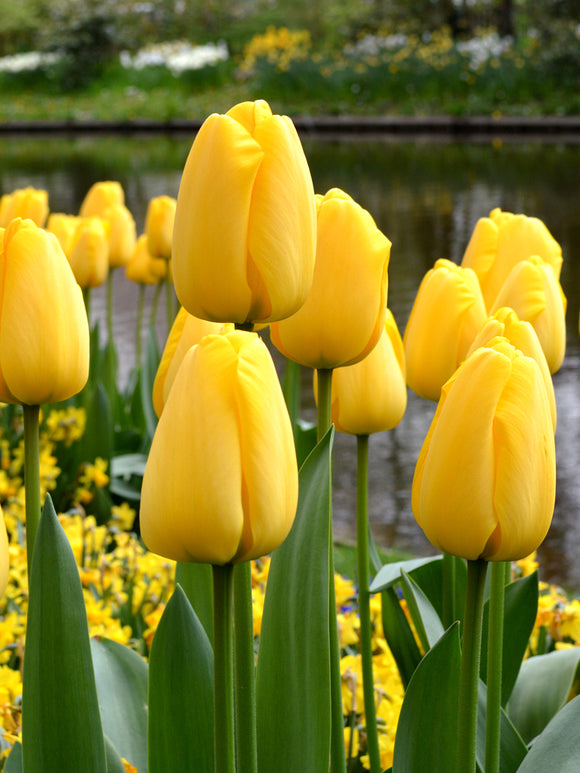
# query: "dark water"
426,196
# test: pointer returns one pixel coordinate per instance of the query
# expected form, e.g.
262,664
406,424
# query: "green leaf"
114,761
121,677
542,689
305,440
399,635
425,619
512,748
557,747
61,723
197,582
431,578
520,610
426,732
127,474
390,574
14,761
97,439
180,692
293,671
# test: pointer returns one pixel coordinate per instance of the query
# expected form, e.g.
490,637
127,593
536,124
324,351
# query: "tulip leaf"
121,677
114,761
14,761
197,582
542,689
97,439
425,619
512,748
390,574
556,748
293,670
59,680
304,439
520,610
426,732
181,735
444,583
399,635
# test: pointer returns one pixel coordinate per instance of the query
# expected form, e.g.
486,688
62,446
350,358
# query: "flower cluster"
279,46
178,56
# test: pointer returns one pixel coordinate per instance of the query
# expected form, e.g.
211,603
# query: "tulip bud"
344,314
122,234
44,332
101,196
533,292
501,241
64,228
143,267
159,222
221,480
485,481
185,332
245,223
371,396
89,256
25,203
447,314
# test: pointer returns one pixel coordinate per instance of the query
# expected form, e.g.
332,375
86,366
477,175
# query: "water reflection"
426,196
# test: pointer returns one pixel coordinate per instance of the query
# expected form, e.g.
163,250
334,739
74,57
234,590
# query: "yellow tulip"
344,314
533,292
185,332
122,234
44,332
371,396
221,480
485,481
63,226
89,255
25,203
159,222
447,314
143,267
501,241
101,196
245,224
505,323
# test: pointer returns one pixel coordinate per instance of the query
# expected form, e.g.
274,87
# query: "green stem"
139,324
364,596
31,476
494,666
470,660
337,751
87,300
245,689
223,670
110,304
291,389
155,304
449,582
169,300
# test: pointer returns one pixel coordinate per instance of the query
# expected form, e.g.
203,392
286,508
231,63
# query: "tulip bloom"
159,222
44,332
25,203
245,223
122,234
143,267
89,256
64,227
221,480
485,481
501,241
533,292
344,315
371,396
505,323
185,332
447,314
101,196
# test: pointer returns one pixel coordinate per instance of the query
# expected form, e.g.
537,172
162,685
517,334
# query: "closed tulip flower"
533,292
89,256
101,196
143,268
44,332
221,481
245,223
185,332
506,323
371,396
344,315
64,227
485,481
447,314
122,235
26,203
159,222
501,241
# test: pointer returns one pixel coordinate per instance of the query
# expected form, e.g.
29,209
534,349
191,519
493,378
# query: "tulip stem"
449,584
246,742
139,325
364,596
169,300
110,305
31,476
225,761
324,377
470,661
155,304
494,666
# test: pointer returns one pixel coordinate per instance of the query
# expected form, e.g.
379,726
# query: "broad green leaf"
14,761
197,582
61,723
293,672
305,440
399,635
121,677
390,574
542,689
180,692
433,580
97,439
126,475
114,761
426,732
512,747
425,619
520,609
557,748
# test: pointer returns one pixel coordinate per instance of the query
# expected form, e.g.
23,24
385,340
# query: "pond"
426,195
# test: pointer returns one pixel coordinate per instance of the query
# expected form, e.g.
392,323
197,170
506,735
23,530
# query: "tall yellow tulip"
245,223
142,267
64,227
26,203
122,234
485,481
89,254
344,314
100,196
221,480
44,332
447,314
159,222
